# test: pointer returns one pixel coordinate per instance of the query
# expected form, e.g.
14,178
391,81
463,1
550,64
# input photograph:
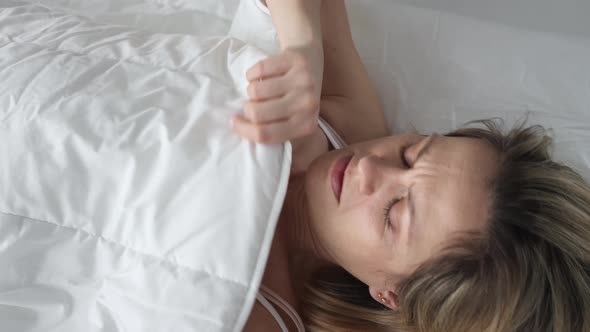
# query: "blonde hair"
530,270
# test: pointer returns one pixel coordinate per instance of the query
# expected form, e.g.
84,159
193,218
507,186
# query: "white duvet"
126,203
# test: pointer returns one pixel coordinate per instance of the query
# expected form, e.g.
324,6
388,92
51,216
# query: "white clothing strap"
272,311
281,303
335,139
262,6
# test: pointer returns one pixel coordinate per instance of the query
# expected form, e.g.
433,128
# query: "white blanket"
126,203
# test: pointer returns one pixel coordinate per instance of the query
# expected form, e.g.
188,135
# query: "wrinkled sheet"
126,202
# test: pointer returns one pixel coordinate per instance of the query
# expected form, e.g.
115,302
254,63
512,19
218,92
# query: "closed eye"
387,212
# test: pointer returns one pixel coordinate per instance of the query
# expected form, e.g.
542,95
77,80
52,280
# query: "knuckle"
296,56
310,91
252,90
306,81
306,78
309,128
256,118
251,113
259,68
301,63
249,109
255,70
309,102
261,135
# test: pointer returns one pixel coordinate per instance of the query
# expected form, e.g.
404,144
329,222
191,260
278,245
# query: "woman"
476,230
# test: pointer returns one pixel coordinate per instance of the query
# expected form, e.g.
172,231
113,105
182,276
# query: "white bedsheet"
436,70
126,202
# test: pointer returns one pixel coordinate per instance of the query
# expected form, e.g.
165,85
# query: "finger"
267,68
269,133
293,104
269,110
267,89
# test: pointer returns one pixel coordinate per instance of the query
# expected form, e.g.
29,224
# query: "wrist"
312,44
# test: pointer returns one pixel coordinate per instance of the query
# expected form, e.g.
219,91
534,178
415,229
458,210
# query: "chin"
317,171
317,184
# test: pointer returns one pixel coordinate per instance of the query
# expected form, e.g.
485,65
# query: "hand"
284,93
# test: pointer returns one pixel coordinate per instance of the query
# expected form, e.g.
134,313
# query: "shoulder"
261,320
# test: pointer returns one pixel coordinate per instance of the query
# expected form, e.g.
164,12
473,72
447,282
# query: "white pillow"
436,70
126,202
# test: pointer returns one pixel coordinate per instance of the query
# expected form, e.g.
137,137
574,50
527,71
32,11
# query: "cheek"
354,236
352,239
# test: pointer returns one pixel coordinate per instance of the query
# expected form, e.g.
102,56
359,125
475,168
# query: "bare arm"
318,72
349,100
285,90
297,22
319,68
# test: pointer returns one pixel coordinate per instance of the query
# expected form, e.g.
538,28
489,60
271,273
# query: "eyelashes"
387,212
392,202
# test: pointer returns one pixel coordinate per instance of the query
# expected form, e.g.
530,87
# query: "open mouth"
337,175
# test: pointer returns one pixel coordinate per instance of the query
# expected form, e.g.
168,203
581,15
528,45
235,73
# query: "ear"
385,297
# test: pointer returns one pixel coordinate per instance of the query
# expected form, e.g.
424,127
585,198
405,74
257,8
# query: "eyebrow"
425,151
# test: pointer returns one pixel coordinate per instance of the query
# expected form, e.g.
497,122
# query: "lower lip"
337,175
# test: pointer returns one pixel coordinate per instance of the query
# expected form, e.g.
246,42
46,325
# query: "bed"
103,226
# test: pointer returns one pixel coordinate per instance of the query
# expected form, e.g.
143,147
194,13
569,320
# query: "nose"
375,172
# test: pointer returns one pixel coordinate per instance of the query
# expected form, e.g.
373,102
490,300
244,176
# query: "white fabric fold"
126,201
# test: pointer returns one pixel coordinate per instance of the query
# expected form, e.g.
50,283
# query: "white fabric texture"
126,202
252,23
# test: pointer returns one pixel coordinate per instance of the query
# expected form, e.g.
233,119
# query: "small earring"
381,297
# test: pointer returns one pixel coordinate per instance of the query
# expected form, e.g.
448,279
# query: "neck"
305,254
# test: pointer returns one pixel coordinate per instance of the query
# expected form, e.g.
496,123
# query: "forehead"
452,186
464,157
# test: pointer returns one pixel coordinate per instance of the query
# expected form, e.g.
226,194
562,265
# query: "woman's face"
439,187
